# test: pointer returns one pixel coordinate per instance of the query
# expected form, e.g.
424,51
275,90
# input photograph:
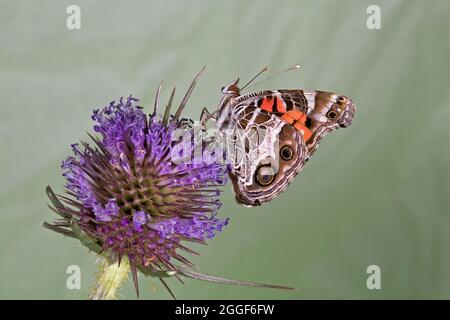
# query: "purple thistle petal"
139,218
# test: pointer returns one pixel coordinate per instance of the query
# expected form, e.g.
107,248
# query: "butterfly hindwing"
265,152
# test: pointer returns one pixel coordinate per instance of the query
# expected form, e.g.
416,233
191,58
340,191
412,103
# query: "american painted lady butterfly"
272,133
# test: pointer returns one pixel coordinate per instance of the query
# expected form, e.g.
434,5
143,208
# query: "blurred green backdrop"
376,193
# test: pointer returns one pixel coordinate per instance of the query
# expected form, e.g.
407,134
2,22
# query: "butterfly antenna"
294,67
266,68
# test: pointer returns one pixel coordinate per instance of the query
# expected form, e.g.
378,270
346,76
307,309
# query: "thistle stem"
109,279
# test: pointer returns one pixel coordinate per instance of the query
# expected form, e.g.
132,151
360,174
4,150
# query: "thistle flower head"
126,197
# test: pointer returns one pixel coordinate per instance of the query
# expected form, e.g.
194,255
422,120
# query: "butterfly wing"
274,133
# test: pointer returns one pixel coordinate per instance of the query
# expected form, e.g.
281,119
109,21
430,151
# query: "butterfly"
271,134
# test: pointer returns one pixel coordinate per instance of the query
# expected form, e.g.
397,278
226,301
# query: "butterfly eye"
332,115
223,88
265,175
286,153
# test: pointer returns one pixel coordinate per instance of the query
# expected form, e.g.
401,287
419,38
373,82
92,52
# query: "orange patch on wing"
267,104
307,134
287,118
298,120
297,115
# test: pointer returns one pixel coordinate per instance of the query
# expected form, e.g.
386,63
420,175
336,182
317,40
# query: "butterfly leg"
206,115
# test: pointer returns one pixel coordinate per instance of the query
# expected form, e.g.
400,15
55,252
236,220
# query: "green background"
376,193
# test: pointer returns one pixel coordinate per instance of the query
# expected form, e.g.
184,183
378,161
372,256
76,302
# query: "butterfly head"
229,93
232,88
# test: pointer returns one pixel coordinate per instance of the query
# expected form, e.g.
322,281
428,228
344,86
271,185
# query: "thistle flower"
127,198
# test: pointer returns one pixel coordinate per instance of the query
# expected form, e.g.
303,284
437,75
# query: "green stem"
109,279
